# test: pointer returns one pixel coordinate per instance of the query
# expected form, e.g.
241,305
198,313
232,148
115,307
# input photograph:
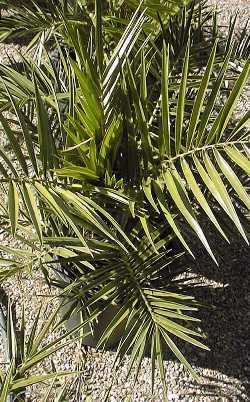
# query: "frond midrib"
204,148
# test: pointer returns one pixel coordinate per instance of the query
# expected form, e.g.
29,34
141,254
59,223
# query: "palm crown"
117,148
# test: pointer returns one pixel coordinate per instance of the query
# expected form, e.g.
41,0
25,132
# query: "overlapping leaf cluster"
119,145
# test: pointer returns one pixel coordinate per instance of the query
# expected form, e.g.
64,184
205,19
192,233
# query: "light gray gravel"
225,371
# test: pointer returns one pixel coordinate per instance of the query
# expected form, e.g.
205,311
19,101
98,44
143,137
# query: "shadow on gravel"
226,320
213,389
19,40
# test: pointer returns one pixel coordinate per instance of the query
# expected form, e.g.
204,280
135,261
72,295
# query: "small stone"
172,396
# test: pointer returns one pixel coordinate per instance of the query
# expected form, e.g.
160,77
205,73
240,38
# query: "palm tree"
118,147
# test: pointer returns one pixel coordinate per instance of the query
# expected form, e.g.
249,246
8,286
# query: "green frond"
26,351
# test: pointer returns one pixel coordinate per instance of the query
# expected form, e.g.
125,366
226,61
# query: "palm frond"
26,351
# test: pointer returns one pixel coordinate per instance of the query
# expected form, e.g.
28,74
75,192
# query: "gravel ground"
225,371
